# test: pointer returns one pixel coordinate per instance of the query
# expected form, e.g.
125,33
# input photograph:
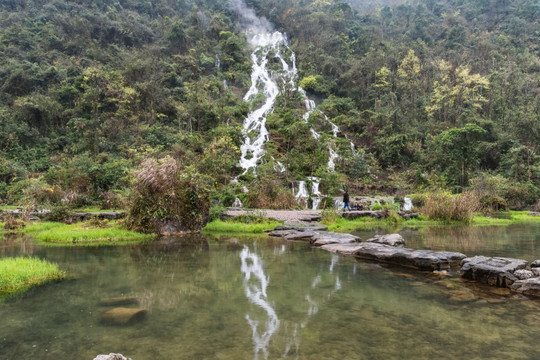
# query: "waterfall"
255,285
408,205
264,82
302,191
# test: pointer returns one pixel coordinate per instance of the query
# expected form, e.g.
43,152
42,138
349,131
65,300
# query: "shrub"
418,200
112,200
492,203
330,216
267,193
58,213
521,195
377,207
446,207
167,198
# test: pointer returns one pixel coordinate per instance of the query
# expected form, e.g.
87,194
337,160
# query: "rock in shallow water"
123,316
111,356
119,301
530,287
523,274
417,259
495,271
388,239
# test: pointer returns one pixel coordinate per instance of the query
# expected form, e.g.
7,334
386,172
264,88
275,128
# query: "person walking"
346,201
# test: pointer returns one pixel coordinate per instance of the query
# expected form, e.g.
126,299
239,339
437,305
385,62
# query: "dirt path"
280,215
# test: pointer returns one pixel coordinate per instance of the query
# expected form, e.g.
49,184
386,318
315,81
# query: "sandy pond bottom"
246,298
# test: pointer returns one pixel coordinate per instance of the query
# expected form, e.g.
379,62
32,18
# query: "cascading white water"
408,205
255,285
264,81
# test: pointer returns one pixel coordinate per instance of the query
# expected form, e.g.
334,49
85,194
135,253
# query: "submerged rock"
388,239
111,356
530,287
119,301
123,316
495,271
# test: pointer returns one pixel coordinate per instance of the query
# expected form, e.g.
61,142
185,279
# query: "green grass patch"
367,223
52,233
220,226
20,274
9,207
506,218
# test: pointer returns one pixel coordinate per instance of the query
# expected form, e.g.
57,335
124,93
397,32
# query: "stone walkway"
280,215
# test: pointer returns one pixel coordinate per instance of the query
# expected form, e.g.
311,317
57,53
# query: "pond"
260,298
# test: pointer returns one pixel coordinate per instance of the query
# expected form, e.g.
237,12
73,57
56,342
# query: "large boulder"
496,271
417,259
388,239
529,287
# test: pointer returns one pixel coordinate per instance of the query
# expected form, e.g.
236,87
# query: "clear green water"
256,298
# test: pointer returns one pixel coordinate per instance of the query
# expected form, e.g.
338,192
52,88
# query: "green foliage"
440,92
92,233
58,213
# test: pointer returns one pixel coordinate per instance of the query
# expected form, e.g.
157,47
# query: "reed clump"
447,207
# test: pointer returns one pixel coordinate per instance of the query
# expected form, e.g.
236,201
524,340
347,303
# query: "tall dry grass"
447,207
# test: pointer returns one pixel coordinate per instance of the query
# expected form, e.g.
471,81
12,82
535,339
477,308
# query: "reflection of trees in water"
167,259
256,283
478,240
16,245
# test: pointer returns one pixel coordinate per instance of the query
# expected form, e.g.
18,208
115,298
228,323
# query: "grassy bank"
220,226
507,218
20,274
52,233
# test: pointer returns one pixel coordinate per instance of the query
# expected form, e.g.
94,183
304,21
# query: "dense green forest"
434,94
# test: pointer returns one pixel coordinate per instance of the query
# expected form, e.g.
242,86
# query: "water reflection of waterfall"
255,285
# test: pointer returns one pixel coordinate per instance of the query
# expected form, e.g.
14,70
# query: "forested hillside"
434,94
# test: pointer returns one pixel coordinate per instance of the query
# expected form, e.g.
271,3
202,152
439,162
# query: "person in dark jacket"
346,201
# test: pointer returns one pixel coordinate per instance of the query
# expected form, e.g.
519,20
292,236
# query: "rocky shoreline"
515,274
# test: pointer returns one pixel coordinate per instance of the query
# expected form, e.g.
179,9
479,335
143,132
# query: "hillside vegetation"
435,94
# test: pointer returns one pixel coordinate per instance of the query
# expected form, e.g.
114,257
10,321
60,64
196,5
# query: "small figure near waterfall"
346,201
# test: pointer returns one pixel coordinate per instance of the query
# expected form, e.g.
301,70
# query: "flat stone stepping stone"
529,287
301,235
495,271
119,301
343,249
123,316
388,239
351,215
325,238
416,259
